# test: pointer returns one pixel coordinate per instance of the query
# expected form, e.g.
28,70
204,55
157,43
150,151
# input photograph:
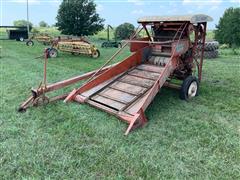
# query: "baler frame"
155,62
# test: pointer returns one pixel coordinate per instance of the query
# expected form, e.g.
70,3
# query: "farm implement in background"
126,89
75,46
211,50
110,43
45,39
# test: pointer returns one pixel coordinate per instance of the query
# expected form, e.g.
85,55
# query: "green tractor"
110,43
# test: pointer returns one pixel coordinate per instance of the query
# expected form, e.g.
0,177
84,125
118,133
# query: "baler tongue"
128,92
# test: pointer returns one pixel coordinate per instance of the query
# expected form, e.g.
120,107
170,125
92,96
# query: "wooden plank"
113,98
128,88
136,81
122,67
95,89
92,91
108,102
102,107
144,74
136,105
117,95
144,101
122,91
151,68
118,114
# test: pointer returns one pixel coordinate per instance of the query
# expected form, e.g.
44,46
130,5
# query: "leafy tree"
124,31
22,23
228,29
79,17
43,24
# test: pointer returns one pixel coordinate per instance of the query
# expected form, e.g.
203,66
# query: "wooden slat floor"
123,91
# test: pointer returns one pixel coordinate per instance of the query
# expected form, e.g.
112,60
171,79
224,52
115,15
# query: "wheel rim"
21,39
95,54
192,90
30,43
53,54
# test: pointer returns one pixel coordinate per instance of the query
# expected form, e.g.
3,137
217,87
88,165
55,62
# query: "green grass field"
182,140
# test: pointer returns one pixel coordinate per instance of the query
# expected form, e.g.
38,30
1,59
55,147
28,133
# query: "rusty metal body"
127,88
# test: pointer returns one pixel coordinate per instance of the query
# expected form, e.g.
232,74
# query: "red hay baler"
172,49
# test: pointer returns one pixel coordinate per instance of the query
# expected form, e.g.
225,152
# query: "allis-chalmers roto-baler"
172,49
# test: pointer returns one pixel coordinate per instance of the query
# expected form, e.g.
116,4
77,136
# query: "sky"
115,12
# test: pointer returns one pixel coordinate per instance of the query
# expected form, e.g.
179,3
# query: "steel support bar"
70,81
202,50
55,86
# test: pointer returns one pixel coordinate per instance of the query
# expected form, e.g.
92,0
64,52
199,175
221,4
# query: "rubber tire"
211,46
53,50
210,54
185,86
29,43
98,54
